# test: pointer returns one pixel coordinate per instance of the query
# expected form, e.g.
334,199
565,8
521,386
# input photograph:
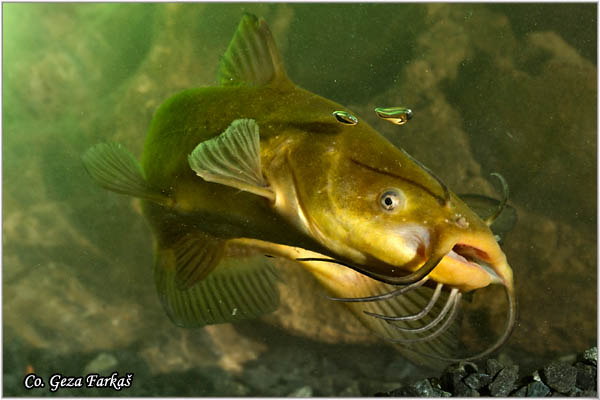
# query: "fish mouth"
474,257
473,263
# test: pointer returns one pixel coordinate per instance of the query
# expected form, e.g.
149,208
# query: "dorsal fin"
252,58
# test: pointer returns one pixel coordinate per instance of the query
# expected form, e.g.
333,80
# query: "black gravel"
560,376
537,389
558,379
504,383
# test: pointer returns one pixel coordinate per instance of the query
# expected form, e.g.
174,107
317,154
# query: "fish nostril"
461,221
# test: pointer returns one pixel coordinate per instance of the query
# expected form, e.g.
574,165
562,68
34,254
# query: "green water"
506,88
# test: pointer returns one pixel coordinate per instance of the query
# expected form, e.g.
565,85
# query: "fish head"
376,206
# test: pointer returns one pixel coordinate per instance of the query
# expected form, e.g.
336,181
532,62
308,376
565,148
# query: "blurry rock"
262,378
103,364
537,389
477,381
422,388
172,349
504,383
352,390
520,392
492,367
452,380
234,349
304,391
232,388
560,376
50,308
537,239
301,297
591,355
586,376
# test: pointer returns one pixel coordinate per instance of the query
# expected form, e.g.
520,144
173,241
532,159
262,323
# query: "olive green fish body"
260,167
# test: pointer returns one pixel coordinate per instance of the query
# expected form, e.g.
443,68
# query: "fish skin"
326,177
313,142
313,162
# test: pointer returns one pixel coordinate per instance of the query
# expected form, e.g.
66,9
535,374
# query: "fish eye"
391,199
345,117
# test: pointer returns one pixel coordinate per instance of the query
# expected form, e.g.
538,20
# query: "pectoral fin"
196,290
233,159
114,168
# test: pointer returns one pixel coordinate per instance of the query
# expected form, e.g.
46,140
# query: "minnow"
259,167
395,115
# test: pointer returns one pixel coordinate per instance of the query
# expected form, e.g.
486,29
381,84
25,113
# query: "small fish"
259,167
345,117
395,115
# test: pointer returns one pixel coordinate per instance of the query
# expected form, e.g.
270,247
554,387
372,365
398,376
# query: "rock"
104,363
521,392
504,382
304,391
95,315
352,390
232,388
492,367
422,388
469,367
586,376
560,376
451,379
591,356
262,378
505,359
537,389
589,393
569,358
437,387
477,380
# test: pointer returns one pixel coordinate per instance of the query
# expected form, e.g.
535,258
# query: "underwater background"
508,88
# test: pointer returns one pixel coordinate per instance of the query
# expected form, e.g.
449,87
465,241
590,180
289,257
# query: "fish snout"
474,261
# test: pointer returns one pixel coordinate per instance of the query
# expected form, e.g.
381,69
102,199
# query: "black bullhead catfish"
258,167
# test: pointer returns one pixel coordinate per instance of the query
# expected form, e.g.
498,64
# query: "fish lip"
474,256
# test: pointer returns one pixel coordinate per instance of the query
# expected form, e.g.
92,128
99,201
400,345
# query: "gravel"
504,383
558,379
591,355
560,376
537,389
